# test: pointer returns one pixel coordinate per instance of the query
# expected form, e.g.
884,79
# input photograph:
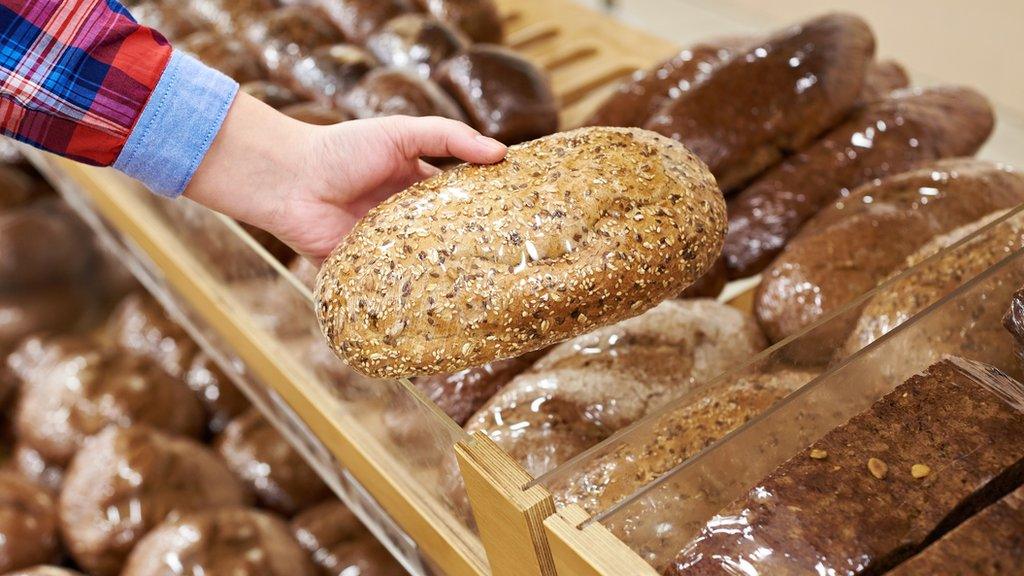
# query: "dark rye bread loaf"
693,423
504,95
855,243
570,232
640,96
589,387
387,91
480,20
989,544
877,489
358,19
772,100
885,137
415,42
883,77
970,325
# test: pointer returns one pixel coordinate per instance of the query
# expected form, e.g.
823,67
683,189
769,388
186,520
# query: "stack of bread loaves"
96,473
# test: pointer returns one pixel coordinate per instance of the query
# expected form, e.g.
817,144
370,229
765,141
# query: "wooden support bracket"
510,518
590,551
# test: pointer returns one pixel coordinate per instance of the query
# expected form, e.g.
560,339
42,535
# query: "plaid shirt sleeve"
75,75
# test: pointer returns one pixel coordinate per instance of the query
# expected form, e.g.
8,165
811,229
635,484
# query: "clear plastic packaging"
658,498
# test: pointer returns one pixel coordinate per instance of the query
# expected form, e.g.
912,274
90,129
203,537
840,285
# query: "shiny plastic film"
918,428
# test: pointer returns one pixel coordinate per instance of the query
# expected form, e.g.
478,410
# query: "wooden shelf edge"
592,550
510,517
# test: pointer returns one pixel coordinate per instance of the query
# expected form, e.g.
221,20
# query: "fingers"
435,136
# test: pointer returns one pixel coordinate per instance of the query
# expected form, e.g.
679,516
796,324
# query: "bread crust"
569,233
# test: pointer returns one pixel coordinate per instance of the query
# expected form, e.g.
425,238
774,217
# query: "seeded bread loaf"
587,388
971,325
479,263
857,242
885,137
694,422
989,544
875,490
773,99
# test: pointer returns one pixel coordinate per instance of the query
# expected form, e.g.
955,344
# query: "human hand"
308,185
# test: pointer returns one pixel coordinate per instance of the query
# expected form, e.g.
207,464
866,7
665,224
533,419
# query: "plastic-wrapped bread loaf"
328,72
479,263
971,326
103,514
285,35
28,524
861,239
230,56
358,19
774,99
340,545
229,540
859,499
477,19
885,137
504,95
585,389
274,470
645,92
415,42
694,422
80,388
387,91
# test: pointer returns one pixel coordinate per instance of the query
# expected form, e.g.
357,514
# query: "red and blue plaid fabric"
75,75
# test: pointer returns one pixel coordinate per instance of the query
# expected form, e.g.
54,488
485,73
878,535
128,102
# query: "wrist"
254,164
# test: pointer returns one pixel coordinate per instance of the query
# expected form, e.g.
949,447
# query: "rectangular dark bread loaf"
990,543
858,501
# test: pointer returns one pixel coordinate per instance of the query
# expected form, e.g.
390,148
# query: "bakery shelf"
657,517
255,318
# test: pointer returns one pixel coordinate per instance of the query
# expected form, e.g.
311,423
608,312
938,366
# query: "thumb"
440,137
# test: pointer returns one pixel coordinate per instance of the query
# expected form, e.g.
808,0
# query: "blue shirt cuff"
177,126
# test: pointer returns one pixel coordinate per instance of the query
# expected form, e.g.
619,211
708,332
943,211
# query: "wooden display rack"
584,52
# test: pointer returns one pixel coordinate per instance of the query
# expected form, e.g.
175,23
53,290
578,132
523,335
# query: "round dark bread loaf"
857,242
477,19
388,91
415,42
504,95
231,540
569,233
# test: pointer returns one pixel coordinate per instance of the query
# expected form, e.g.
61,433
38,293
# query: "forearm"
258,157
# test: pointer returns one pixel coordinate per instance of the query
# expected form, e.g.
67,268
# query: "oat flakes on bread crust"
569,233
